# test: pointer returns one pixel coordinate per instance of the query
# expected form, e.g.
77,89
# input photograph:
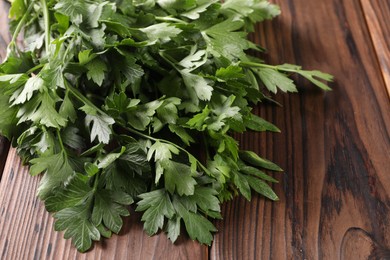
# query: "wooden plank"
334,146
27,229
377,13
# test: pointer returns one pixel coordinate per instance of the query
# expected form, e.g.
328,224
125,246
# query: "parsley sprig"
126,101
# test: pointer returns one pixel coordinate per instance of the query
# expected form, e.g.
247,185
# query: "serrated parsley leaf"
17,9
197,226
75,193
182,133
33,84
161,151
156,205
195,12
77,225
178,178
58,172
205,198
197,83
41,109
108,208
254,10
160,32
273,80
101,127
96,69
225,40
80,11
173,228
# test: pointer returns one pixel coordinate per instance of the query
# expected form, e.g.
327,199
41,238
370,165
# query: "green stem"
75,92
60,141
169,19
133,131
96,182
256,65
47,24
35,68
21,23
167,142
249,64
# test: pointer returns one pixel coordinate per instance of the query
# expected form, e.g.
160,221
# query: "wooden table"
334,147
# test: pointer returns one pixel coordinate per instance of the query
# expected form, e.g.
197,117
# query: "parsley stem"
35,68
81,97
249,64
60,141
169,19
20,24
47,24
204,168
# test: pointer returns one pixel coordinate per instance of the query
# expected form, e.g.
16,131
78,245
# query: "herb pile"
128,101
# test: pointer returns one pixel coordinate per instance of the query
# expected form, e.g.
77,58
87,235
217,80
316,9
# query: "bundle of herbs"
128,101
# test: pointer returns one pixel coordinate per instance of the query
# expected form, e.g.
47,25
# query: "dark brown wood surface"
334,147
377,15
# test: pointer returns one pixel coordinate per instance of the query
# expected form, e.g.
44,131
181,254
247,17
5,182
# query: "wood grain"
334,146
377,13
27,229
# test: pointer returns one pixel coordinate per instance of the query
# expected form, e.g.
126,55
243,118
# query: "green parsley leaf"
115,101
77,225
8,119
109,207
273,79
74,194
96,69
156,205
100,127
198,227
58,172
177,177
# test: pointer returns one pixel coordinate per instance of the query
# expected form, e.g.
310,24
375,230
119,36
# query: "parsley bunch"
128,101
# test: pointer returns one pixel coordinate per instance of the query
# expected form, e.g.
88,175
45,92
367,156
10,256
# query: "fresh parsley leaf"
8,119
77,225
178,179
115,101
58,172
108,208
101,127
156,205
96,69
198,227
74,194
273,80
